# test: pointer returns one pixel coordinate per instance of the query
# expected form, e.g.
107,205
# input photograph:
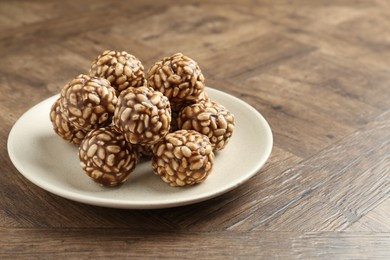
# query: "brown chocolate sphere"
178,77
144,150
120,68
210,119
106,157
62,127
184,157
176,110
88,102
142,115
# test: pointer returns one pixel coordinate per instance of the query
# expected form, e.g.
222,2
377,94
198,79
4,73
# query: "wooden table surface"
319,72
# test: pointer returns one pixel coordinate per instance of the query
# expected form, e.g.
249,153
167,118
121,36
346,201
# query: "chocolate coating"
106,157
144,150
184,157
178,77
62,127
120,68
210,119
178,107
88,102
142,115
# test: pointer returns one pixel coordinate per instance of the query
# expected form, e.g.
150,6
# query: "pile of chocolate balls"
116,114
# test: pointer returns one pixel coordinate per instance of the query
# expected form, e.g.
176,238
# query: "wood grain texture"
319,71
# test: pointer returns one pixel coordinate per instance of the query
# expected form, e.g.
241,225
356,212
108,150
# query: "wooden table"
319,72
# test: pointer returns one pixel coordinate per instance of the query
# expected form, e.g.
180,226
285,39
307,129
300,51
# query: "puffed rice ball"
176,110
210,119
88,102
120,68
184,157
145,151
142,115
106,157
178,77
62,127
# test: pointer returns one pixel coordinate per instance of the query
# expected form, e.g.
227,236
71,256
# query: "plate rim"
123,204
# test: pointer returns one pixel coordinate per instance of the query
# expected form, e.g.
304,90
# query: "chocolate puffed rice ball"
88,102
178,77
144,150
106,157
175,111
210,119
182,158
62,127
120,68
142,115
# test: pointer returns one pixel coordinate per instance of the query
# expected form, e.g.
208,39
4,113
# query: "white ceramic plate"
52,164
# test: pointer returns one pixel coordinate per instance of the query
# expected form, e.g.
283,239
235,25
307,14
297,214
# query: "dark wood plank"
366,154
375,220
117,244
